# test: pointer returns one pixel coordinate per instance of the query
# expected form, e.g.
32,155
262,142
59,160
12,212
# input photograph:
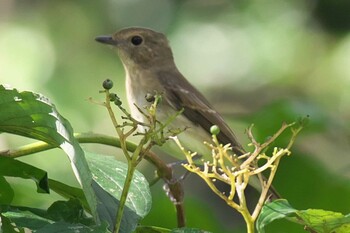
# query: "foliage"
34,116
260,62
314,220
238,171
91,208
113,195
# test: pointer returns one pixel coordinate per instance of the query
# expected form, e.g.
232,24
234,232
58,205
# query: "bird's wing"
199,111
196,108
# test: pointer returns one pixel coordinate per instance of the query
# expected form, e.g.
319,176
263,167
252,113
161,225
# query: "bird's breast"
138,84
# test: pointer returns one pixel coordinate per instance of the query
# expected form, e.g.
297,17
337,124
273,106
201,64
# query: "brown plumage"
150,67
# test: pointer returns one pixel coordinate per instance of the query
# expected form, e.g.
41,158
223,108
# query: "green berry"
215,130
113,96
107,84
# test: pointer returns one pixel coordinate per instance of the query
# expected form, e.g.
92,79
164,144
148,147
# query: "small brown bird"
149,65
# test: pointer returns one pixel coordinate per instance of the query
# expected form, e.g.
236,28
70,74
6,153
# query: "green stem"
132,163
248,220
123,198
37,147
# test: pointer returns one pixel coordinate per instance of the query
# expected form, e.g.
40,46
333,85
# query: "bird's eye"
136,40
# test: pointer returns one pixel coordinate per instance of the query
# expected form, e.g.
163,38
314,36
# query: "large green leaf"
324,221
15,168
320,221
110,175
33,115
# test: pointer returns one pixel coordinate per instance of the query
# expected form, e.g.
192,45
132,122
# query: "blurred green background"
261,62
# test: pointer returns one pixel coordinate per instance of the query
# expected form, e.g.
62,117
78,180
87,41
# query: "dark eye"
136,40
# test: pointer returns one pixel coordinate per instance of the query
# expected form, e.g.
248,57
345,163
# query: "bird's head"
139,47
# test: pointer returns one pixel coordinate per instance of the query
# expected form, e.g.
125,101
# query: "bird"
150,67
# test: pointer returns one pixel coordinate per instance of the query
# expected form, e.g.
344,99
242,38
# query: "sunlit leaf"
324,221
317,220
33,115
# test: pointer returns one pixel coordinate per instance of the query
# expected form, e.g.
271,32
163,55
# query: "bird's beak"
106,40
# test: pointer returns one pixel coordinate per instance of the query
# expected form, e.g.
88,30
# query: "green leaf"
62,227
110,175
33,115
324,221
6,226
15,168
272,211
188,230
68,192
151,229
37,223
321,221
6,192
343,229
28,219
69,211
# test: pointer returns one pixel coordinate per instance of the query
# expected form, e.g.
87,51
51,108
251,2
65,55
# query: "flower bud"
113,96
214,130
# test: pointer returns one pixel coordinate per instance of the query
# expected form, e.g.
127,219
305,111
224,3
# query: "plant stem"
132,163
123,198
248,220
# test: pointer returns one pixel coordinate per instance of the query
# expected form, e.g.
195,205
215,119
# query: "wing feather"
196,108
